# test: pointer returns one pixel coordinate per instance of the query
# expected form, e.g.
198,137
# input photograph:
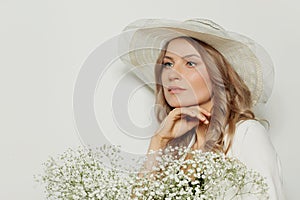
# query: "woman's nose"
175,72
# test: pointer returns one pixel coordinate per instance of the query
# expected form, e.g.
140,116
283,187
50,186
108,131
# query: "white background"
44,43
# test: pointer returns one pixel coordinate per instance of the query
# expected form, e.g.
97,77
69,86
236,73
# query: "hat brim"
149,36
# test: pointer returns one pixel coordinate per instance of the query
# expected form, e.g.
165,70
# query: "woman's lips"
175,89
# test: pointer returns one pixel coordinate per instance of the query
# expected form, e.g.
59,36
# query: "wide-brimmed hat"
146,38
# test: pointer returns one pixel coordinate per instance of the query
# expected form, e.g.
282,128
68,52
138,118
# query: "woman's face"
184,76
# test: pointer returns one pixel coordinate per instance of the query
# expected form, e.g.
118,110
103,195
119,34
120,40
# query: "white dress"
252,145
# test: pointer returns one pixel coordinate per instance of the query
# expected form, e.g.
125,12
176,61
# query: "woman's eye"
192,64
167,64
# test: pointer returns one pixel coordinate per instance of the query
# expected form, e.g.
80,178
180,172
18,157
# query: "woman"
207,82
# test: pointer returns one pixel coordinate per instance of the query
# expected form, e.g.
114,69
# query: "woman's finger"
205,112
196,112
200,109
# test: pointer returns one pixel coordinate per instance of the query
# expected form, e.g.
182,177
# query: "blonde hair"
230,96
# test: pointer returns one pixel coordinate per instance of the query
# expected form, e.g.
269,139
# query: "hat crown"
205,22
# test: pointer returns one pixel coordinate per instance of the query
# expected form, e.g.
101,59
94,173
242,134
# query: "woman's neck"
207,105
202,128
200,136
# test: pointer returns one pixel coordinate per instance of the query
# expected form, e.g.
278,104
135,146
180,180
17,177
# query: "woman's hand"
178,122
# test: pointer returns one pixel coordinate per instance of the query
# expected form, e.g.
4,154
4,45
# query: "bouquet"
205,175
85,173
177,173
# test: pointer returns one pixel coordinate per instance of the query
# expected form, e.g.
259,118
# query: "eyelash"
190,63
166,64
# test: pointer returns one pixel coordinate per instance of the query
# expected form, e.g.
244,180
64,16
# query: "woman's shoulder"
250,134
251,129
252,145
250,123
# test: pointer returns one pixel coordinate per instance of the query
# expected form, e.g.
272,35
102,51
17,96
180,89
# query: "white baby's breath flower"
206,176
84,174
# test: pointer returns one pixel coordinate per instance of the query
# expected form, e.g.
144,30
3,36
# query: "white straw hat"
146,37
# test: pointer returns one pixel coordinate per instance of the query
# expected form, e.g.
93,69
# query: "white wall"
44,43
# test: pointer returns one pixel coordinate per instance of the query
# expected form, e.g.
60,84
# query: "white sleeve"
252,146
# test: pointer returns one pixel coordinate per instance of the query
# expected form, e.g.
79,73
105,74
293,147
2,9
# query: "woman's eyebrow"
191,55
168,57
186,56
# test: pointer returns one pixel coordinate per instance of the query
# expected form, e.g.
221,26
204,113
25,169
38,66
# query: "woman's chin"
182,104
